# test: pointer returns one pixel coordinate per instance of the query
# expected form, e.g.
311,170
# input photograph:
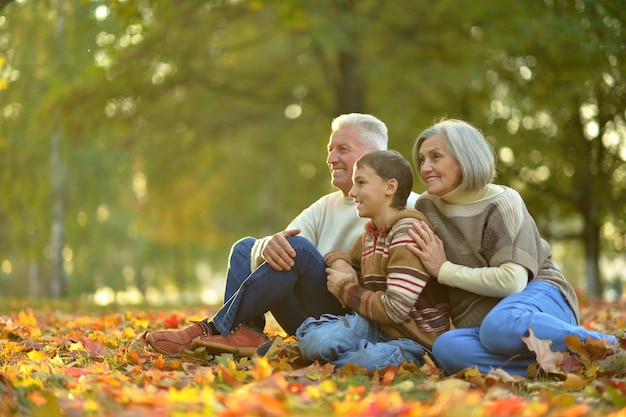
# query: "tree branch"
4,3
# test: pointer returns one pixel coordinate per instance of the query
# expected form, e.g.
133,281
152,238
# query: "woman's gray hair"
468,146
373,131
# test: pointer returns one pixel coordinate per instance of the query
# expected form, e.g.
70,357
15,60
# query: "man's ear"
392,186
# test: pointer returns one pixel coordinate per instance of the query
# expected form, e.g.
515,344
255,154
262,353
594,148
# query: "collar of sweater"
406,212
457,196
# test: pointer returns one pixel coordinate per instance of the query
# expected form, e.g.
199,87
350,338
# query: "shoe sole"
151,342
212,347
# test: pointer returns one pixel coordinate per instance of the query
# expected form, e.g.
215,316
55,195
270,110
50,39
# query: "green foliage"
187,125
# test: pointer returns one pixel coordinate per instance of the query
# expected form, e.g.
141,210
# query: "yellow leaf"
138,323
57,361
574,382
35,355
262,369
28,382
328,386
77,346
184,395
448,385
129,332
27,319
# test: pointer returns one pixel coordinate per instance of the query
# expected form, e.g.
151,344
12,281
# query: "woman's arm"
498,281
505,279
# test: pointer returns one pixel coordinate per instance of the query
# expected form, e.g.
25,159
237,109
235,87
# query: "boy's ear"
392,186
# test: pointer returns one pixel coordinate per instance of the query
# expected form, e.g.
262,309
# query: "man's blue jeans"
498,343
291,296
352,338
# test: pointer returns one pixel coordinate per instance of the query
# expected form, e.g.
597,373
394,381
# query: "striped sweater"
393,288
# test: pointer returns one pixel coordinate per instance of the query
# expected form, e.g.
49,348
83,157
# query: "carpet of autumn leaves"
79,361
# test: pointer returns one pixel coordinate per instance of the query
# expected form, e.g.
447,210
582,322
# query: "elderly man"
285,273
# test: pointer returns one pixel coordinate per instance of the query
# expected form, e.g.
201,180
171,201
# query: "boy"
398,310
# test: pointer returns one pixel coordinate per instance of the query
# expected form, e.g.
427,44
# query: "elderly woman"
486,247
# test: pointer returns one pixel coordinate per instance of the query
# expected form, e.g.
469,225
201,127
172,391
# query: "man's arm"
276,250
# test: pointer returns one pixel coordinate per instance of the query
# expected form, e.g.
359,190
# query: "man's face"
344,148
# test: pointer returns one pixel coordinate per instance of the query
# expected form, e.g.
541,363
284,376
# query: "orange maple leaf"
171,322
512,406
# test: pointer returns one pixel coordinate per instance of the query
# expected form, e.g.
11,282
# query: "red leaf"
171,322
571,364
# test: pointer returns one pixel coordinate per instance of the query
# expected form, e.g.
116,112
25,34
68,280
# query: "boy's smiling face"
370,193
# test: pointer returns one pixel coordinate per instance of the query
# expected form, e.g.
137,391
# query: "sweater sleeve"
500,281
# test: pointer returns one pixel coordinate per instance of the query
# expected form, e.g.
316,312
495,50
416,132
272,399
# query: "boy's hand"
343,266
335,277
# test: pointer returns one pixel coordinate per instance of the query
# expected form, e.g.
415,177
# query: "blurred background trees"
139,139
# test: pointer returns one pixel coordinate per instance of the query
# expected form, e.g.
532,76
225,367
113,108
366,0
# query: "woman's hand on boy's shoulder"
427,247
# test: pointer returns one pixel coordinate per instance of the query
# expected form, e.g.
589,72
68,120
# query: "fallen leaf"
548,360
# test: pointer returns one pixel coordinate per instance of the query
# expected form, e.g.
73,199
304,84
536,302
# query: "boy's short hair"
391,165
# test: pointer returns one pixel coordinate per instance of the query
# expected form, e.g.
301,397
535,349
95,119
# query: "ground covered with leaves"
62,361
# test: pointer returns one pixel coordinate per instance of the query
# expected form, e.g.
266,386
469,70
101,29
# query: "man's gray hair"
373,131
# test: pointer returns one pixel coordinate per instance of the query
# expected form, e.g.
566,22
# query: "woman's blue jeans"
291,295
352,338
498,343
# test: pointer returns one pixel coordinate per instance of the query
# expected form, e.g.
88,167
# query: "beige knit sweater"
487,229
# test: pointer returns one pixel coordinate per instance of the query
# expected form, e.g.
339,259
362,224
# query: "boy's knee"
315,346
315,338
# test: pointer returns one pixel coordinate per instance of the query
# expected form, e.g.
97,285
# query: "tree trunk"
33,280
591,238
57,233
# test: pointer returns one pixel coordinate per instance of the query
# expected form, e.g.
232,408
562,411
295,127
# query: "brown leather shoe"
241,340
170,342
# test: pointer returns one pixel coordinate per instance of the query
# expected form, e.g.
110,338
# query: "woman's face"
439,170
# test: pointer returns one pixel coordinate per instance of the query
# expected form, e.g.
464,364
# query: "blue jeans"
291,295
352,338
498,343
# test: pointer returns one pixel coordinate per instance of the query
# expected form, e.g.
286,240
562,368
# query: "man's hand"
278,253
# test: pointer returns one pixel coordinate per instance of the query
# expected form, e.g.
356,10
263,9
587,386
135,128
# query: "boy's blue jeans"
352,338
291,296
498,343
